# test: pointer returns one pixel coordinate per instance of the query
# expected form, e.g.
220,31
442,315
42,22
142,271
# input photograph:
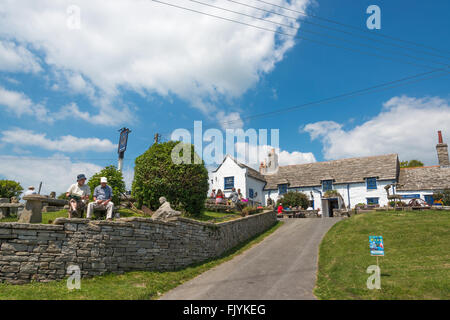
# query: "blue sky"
162,69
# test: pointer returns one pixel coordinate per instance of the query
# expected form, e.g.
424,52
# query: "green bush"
185,185
331,194
250,210
444,196
115,181
10,188
294,199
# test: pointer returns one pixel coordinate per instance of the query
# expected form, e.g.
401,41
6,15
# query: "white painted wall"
358,193
257,186
229,168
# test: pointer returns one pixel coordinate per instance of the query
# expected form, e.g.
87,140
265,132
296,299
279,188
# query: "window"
250,193
371,183
228,183
282,188
327,185
372,201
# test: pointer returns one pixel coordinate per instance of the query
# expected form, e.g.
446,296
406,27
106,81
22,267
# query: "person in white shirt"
78,195
30,191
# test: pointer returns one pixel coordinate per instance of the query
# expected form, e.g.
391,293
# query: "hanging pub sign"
123,140
376,245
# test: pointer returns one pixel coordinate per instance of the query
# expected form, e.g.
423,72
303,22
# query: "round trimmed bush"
294,199
184,184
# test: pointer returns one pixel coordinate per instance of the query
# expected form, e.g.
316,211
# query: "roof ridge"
366,157
423,167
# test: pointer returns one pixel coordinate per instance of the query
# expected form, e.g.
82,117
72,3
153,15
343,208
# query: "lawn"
416,264
207,216
128,286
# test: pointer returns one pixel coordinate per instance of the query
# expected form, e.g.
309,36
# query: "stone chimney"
442,151
272,166
262,168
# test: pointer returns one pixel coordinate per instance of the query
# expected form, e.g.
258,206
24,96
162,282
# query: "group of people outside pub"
235,198
79,194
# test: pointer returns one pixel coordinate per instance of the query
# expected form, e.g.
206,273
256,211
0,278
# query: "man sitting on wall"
234,197
78,194
102,199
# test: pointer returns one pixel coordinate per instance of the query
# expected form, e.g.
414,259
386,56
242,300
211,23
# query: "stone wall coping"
35,197
252,216
32,226
58,224
147,220
11,205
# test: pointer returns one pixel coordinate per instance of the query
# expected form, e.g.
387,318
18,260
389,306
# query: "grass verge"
139,285
416,262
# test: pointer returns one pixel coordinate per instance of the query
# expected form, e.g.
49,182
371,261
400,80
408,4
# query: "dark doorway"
332,204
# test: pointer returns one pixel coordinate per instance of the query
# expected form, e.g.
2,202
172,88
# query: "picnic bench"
7,209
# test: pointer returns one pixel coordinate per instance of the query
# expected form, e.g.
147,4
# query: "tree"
10,188
62,196
411,164
115,181
156,174
294,199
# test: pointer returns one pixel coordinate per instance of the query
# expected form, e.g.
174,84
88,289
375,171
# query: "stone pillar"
32,213
4,212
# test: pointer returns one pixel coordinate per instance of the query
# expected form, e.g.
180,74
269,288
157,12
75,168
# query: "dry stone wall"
44,252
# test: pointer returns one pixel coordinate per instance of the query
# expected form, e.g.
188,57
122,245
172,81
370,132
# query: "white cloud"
106,116
56,173
17,58
257,154
150,48
230,121
406,125
19,104
65,143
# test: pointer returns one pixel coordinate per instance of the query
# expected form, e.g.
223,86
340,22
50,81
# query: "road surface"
282,266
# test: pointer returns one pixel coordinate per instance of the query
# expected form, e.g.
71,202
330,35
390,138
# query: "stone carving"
165,211
14,200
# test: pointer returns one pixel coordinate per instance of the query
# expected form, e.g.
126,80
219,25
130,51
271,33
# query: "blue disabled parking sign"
376,245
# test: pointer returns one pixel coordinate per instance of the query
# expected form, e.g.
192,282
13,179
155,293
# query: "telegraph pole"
157,138
123,141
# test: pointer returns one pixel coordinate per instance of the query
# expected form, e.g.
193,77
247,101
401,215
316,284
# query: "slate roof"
424,178
353,170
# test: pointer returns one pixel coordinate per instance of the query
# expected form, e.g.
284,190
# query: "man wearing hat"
102,199
78,195
30,191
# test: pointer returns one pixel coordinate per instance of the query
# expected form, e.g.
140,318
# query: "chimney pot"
440,137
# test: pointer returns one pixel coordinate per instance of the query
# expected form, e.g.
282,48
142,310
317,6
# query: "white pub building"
357,180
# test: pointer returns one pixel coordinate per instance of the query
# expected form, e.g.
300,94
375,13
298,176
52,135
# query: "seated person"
30,191
219,196
102,199
78,195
